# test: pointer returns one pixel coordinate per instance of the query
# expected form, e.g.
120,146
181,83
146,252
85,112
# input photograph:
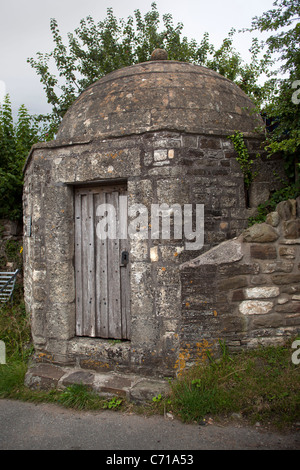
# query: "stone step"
135,388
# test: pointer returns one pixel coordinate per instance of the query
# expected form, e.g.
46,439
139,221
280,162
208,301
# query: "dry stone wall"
246,291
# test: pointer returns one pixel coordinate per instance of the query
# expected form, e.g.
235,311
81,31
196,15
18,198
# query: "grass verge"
260,385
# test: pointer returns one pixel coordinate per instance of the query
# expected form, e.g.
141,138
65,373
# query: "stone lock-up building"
109,286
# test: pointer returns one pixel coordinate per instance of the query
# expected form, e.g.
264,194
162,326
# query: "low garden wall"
246,291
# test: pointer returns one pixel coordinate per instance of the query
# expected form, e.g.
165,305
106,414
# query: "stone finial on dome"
159,54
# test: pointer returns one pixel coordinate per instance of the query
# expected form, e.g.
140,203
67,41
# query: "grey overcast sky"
25,30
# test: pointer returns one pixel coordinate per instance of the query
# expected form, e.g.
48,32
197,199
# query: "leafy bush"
15,143
243,157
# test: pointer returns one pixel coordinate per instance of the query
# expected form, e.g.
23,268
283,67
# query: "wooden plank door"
101,274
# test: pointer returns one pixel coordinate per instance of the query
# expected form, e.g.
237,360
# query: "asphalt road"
26,426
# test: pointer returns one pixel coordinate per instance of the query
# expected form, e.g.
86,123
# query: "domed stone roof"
159,95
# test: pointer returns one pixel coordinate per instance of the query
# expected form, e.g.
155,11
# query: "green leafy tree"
15,143
282,109
95,49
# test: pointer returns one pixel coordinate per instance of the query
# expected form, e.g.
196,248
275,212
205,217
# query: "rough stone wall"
246,291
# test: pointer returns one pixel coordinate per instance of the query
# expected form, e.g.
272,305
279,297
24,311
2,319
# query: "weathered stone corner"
227,252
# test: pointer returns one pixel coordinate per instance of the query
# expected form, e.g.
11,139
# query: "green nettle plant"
15,143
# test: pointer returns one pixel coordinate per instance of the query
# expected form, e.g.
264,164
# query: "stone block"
145,331
293,320
279,266
290,241
287,252
43,377
259,280
138,249
238,295
238,269
227,252
171,153
261,292
260,233
285,279
167,301
78,377
291,289
255,307
145,390
289,307
168,275
39,293
173,252
267,321
291,228
235,282
154,256
209,143
61,321
283,299
259,193
229,154
190,141
115,385
287,209
273,219
39,275
263,251
38,322
160,155
148,158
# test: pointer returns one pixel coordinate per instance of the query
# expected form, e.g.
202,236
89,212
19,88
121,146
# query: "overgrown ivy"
289,190
15,143
243,157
